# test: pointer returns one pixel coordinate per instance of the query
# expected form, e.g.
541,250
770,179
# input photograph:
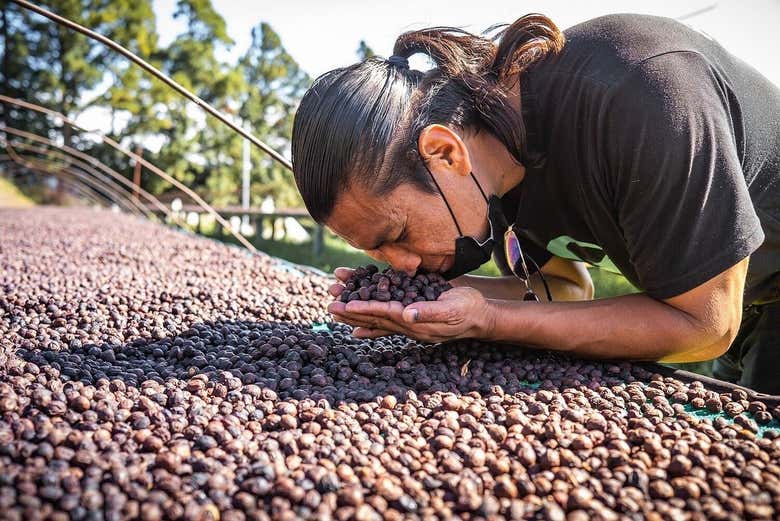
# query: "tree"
63,70
56,67
274,85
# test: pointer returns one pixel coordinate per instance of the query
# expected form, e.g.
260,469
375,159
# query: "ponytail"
528,40
474,77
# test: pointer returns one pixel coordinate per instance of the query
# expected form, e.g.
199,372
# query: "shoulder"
612,25
643,35
607,48
676,85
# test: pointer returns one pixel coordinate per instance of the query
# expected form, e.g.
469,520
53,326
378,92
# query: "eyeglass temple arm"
544,281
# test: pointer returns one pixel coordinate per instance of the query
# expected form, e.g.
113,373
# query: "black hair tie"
398,61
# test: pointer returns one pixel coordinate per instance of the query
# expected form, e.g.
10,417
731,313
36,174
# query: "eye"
403,235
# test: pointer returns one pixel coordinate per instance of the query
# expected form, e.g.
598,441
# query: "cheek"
433,241
431,228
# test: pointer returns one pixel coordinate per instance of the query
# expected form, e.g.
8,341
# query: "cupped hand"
458,313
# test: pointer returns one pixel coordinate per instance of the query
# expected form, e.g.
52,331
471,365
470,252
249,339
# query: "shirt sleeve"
679,192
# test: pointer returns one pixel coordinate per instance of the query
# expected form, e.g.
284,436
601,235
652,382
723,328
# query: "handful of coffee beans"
368,283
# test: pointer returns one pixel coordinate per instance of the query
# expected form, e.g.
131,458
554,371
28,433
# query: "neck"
498,172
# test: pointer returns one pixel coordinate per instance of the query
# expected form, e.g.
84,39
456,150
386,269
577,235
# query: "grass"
11,197
609,284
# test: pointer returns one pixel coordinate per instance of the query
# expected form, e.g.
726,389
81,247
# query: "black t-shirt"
662,157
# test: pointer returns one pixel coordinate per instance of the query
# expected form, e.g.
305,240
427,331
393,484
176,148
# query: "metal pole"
18,170
97,185
88,160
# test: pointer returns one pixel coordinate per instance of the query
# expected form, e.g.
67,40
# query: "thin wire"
151,166
158,74
97,185
17,170
72,162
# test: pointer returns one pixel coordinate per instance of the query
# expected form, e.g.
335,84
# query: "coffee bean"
390,285
196,388
679,466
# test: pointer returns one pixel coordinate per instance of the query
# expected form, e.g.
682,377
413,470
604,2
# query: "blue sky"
323,35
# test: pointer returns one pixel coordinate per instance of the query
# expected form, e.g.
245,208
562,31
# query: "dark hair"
361,123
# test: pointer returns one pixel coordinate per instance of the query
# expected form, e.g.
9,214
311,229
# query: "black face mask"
470,253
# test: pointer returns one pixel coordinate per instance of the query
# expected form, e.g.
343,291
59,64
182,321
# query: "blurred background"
253,61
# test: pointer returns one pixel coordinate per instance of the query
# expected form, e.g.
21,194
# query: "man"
629,142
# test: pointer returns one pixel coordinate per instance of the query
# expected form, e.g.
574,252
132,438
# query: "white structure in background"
247,228
288,228
193,218
176,205
235,223
295,232
246,167
268,206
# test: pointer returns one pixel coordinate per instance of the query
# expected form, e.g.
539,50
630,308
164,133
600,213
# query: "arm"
568,280
697,325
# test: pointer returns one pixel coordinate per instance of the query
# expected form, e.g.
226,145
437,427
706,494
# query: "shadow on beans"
297,362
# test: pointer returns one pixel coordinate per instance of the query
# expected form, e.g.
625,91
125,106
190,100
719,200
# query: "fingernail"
415,315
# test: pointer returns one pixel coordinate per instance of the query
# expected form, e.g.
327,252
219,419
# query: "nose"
397,257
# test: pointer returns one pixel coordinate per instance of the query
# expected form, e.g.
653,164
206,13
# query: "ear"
441,146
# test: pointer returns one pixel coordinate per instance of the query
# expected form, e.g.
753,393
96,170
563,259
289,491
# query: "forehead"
362,218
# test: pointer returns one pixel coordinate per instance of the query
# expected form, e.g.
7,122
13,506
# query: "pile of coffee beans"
368,283
149,374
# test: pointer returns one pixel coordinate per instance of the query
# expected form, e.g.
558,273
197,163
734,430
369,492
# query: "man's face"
409,228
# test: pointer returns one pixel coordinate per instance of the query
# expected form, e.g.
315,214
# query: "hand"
342,275
459,313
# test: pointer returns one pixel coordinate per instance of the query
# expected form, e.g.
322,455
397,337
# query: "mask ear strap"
460,233
479,186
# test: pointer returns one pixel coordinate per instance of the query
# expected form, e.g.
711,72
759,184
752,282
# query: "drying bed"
150,374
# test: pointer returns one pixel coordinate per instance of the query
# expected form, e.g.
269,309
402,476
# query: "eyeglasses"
515,258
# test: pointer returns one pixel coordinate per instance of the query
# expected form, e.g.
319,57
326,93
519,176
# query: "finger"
358,320
375,323
355,321
371,322
336,307
343,274
336,289
391,310
365,332
427,312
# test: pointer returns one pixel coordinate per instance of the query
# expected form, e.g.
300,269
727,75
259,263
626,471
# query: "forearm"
629,327
512,288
